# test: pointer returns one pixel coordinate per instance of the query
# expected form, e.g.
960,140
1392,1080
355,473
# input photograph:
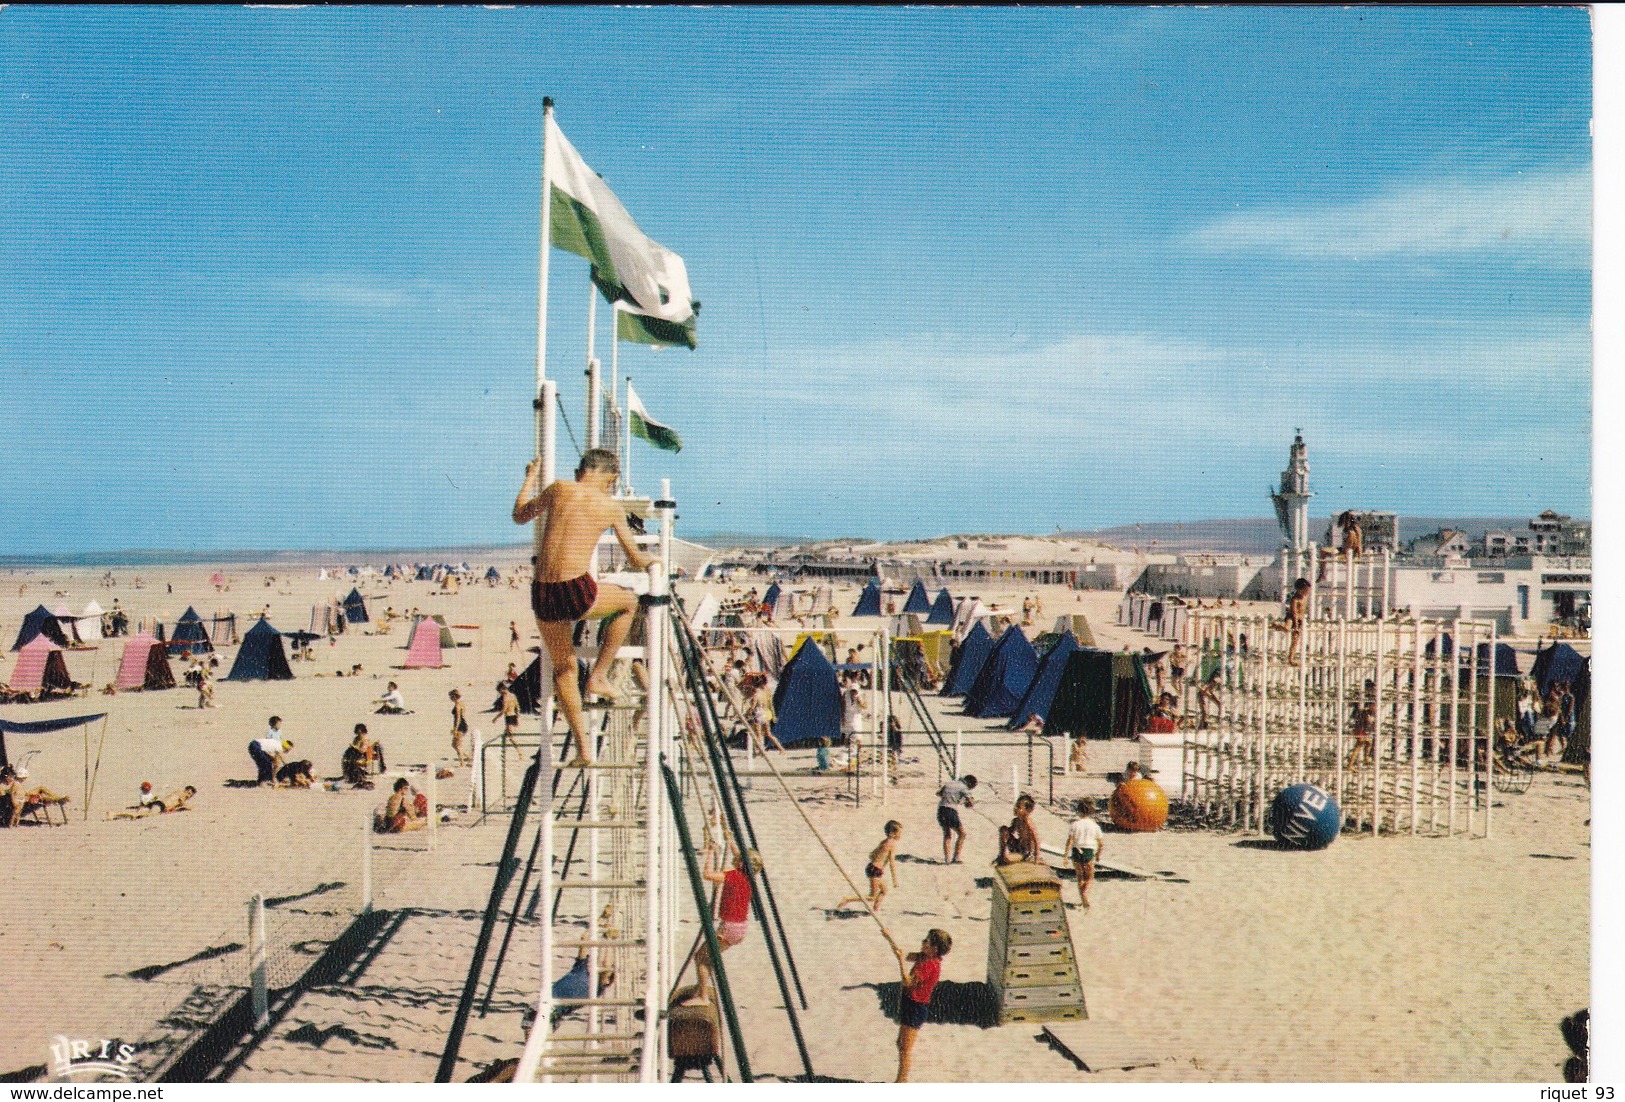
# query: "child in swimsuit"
883,856
564,590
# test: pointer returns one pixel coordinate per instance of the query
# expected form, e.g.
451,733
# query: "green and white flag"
588,220
647,428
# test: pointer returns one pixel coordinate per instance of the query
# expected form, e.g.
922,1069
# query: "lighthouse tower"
1292,501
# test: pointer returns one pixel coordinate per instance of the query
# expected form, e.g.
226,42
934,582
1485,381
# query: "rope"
796,803
562,413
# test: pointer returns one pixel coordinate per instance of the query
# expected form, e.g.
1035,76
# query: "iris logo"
108,1058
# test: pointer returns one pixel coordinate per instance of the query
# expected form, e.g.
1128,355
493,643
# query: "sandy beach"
1392,959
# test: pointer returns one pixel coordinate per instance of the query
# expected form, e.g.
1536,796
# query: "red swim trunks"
563,602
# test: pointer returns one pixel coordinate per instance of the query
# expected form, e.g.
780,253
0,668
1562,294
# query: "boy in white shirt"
1083,846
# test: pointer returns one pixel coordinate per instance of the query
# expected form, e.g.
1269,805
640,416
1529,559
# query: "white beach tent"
704,613
90,622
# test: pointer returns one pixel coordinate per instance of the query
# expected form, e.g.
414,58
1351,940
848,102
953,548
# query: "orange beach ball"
1139,805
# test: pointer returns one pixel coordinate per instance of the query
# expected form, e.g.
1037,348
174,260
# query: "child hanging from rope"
918,982
564,590
883,856
733,907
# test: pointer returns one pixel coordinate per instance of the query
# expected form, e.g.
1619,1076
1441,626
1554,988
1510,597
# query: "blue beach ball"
1305,816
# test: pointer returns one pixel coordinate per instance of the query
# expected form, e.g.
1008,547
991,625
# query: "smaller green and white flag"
646,428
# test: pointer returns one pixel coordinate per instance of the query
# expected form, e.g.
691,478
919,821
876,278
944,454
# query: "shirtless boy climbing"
564,590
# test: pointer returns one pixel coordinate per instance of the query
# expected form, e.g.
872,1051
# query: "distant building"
1446,543
1521,595
1551,533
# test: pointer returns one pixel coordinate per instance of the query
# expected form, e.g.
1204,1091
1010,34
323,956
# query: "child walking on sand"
881,858
564,590
1084,845
918,983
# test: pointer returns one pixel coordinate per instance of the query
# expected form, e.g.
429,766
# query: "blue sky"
270,275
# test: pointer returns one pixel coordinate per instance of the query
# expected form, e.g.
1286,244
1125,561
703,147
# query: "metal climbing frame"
1286,714
615,900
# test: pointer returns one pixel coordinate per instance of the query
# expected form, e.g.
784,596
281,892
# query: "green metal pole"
707,927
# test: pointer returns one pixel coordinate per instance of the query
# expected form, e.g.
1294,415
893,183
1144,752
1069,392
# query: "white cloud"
1539,218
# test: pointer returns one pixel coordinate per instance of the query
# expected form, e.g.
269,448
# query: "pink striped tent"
423,652
40,668
145,665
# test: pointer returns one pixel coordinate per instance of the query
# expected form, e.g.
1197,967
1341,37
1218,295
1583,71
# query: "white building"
1522,595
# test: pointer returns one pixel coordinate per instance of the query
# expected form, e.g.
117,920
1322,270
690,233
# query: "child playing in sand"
1084,844
918,984
949,797
881,858
175,801
401,813
564,590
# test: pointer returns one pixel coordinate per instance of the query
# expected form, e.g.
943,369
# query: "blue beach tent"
869,601
190,636
1558,662
917,601
771,597
942,612
261,657
42,621
968,660
808,699
1004,677
1042,691
355,607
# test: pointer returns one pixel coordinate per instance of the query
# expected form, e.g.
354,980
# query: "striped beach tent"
40,668
145,665
423,650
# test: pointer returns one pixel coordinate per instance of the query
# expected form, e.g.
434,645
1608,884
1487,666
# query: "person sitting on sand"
391,703
1163,717
296,774
175,801
1019,840
403,812
564,591
362,757
268,752
881,858
1078,759
821,755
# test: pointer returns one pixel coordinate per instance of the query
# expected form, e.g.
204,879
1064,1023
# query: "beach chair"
40,811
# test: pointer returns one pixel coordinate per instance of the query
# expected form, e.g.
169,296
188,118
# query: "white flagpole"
615,382
594,386
626,463
544,386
